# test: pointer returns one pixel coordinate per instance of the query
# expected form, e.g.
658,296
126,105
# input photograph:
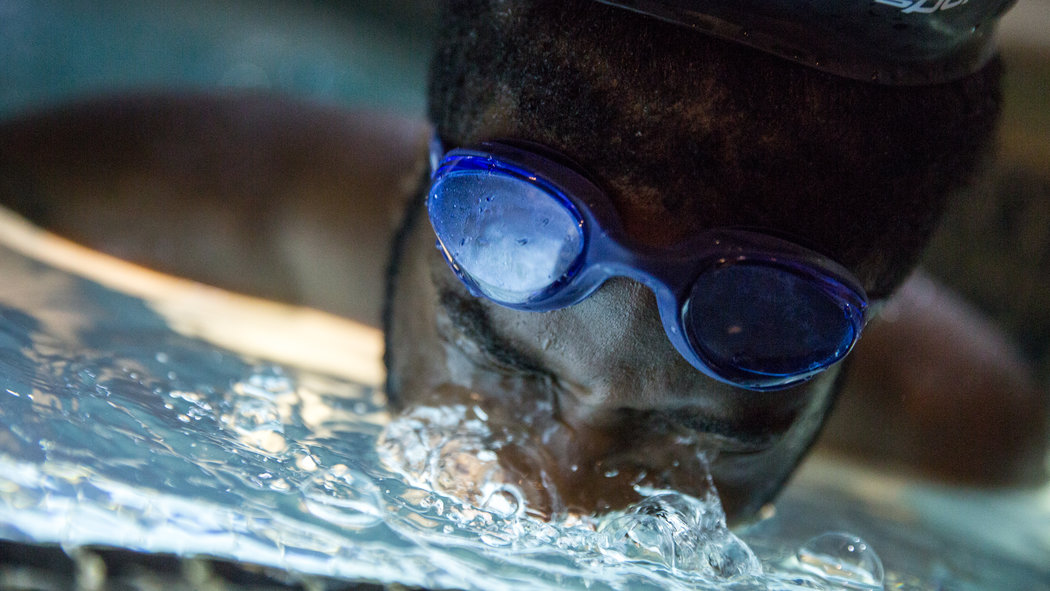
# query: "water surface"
118,430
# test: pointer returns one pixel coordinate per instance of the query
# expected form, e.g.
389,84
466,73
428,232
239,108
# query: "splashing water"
115,430
843,558
449,450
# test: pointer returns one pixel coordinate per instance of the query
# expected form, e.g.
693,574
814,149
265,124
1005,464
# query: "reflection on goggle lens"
765,320
514,240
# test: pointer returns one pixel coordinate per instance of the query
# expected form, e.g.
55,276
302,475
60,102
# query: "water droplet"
280,485
842,558
504,500
343,496
430,501
681,532
634,537
254,414
496,539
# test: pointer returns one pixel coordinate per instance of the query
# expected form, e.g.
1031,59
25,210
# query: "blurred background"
360,52
370,53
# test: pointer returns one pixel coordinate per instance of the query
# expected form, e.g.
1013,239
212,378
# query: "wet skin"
598,385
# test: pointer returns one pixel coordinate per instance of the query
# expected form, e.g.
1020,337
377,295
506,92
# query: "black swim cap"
885,41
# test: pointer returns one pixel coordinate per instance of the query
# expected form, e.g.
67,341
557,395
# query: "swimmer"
673,148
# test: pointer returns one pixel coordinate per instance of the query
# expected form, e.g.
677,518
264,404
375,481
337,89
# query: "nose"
615,361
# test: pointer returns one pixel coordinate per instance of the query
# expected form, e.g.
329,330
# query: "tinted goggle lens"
764,325
508,238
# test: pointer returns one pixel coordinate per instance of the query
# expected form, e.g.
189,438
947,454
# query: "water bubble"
844,559
343,496
682,532
430,501
280,485
306,462
442,448
254,414
257,422
633,537
496,539
503,499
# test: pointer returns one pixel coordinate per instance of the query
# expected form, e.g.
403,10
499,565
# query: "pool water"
121,427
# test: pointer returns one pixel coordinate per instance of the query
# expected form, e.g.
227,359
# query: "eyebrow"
471,318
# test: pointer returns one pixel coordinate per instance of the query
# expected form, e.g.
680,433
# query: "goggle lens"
511,239
760,322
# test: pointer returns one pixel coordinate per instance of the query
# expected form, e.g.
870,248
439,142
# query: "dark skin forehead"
687,133
695,192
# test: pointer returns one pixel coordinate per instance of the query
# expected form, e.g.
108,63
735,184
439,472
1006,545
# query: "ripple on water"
844,559
344,496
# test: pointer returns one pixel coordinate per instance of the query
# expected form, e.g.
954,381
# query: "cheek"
609,354
605,343
748,481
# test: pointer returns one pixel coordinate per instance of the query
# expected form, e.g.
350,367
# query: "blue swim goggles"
529,232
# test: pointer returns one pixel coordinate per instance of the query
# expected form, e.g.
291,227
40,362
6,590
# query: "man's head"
685,133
